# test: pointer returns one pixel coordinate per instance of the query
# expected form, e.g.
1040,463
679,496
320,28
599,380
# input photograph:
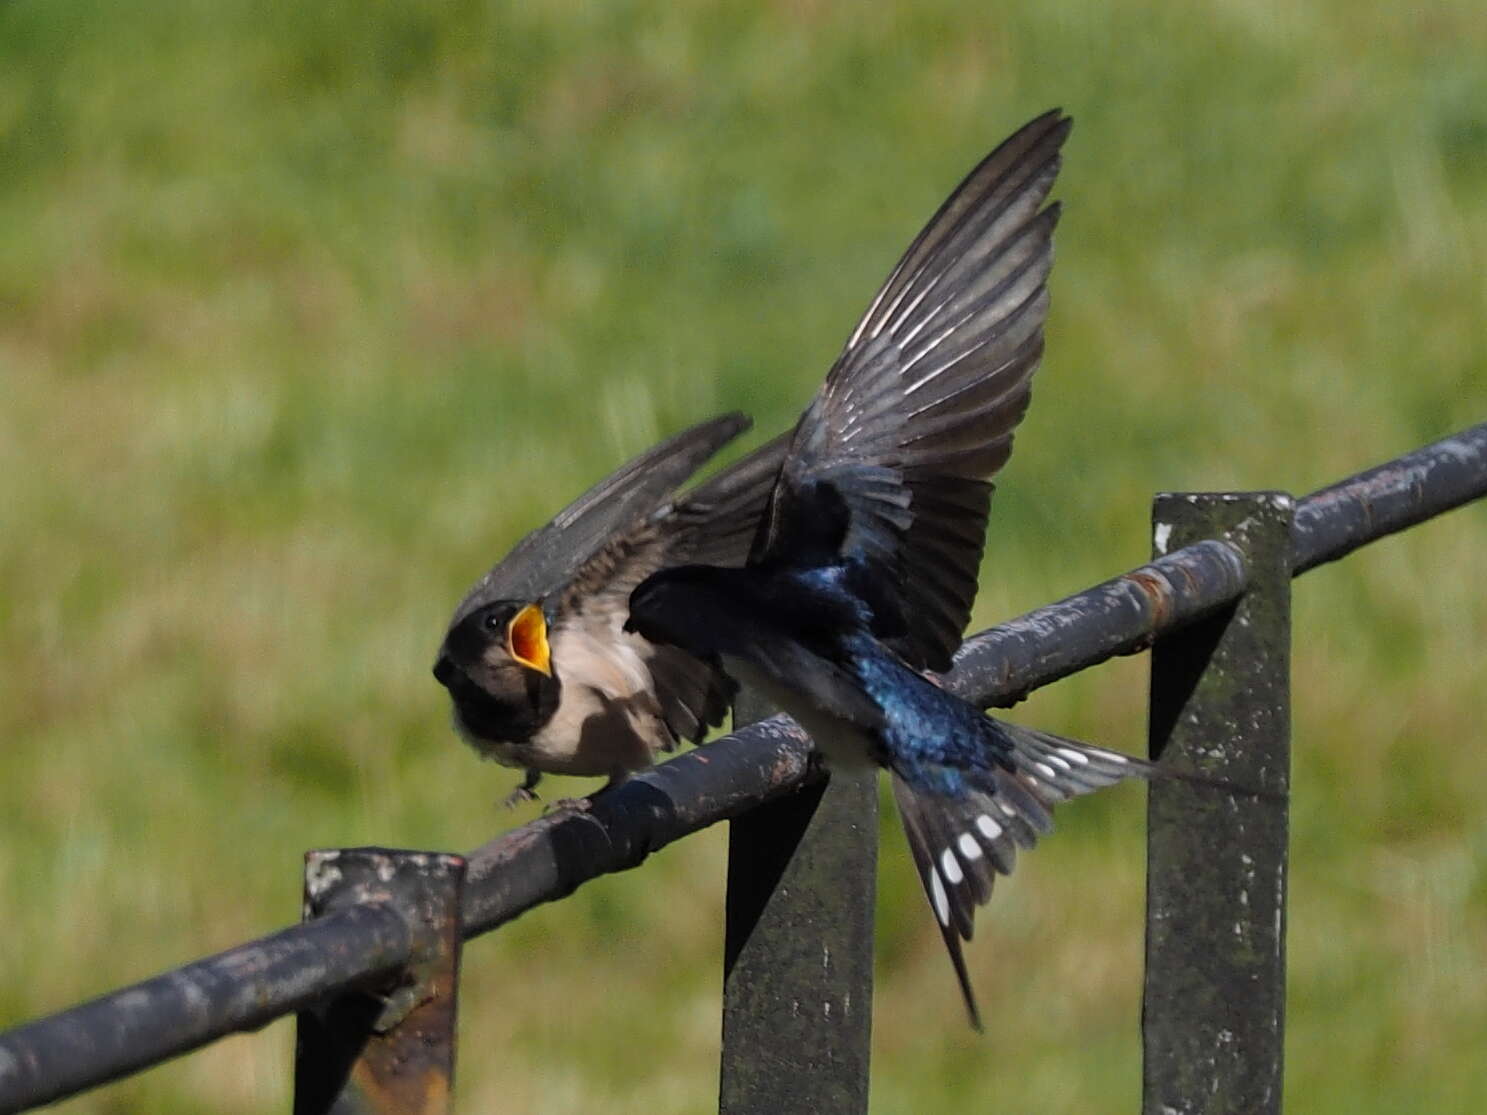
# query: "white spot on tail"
989,828
1162,536
951,867
1046,771
968,847
1114,756
938,898
1007,809
1056,761
1074,756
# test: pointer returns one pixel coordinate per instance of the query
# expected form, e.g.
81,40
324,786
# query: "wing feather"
918,411
550,556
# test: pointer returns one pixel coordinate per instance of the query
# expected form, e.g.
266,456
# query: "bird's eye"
494,624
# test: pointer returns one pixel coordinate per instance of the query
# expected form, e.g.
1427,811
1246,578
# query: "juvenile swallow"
542,675
863,571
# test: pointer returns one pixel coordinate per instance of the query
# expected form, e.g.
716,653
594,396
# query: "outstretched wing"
552,555
891,462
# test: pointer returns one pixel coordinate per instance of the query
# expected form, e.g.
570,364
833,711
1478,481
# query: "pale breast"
608,720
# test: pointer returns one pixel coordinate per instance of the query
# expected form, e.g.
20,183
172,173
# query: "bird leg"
526,792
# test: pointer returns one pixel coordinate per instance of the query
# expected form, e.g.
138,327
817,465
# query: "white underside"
841,741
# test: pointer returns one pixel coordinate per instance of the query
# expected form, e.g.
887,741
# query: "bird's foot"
520,796
568,805
524,793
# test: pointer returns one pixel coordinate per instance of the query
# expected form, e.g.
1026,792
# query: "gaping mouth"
526,639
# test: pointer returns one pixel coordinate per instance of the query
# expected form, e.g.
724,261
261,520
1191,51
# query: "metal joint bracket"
386,1049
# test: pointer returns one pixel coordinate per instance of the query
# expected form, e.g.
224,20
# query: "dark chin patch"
507,718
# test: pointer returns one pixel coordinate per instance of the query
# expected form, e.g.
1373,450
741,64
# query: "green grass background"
307,311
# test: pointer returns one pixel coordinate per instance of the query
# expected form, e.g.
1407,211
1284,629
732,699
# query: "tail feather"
923,825
961,844
1055,768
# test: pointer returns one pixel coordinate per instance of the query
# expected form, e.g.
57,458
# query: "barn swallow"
865,565
540,672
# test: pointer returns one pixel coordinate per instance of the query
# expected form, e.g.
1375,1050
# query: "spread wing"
552,555
712,524
891,463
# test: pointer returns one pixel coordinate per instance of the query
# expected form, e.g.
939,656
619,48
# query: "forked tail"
960,844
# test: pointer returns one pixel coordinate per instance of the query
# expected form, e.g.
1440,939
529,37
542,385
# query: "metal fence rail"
374,941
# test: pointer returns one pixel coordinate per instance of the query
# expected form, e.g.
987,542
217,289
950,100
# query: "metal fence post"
1213,1014
798,950
385,1050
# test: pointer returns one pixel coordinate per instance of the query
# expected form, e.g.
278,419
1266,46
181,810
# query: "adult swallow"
865,566
540,671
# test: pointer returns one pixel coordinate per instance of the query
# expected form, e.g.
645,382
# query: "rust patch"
1158,594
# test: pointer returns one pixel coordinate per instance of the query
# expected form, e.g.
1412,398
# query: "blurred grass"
307,311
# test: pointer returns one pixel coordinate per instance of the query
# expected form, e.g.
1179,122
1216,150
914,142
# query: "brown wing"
917,413
552,555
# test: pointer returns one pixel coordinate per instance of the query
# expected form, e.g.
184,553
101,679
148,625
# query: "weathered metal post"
798,949
1213,1015
385,1050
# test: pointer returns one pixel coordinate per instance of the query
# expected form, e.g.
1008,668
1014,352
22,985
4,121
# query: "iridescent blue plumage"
932,741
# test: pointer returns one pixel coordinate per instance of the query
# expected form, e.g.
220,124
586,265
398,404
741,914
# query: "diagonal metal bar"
241,989
1334,521
550,858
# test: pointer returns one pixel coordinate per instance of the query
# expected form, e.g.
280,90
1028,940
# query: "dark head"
689,606
497,665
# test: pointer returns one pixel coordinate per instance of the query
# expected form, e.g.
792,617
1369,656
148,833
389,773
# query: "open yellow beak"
526,639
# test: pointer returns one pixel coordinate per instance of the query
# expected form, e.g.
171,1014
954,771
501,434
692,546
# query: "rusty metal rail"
243,988
364,946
